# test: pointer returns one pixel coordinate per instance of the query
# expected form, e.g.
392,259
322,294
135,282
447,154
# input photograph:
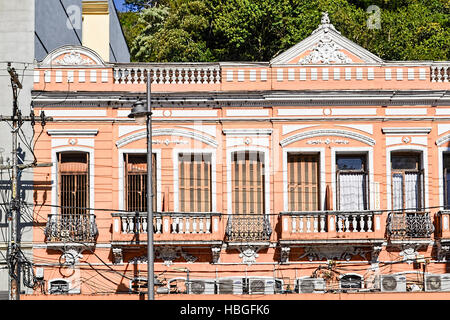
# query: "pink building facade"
322,171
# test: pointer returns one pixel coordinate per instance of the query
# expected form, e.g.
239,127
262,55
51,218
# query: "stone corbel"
117,255
375,253
442,251
284,256
215,251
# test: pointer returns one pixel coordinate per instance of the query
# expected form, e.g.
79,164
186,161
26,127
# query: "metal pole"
150,252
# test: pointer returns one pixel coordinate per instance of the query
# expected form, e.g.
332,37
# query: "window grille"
136,182
73,187
194,182
303,182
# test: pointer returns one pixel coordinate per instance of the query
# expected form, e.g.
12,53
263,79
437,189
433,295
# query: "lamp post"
142,114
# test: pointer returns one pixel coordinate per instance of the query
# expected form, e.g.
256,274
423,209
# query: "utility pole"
13,254
14,278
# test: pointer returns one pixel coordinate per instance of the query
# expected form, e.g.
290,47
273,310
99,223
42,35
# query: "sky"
119,5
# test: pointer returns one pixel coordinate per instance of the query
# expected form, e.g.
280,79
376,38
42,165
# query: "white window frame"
175,157
424,161
121,176
267,166
369,163
55,196
322,173
441,151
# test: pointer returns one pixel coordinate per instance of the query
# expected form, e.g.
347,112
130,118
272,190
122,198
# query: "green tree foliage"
257,30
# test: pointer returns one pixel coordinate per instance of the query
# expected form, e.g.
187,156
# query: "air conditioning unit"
261,285
310,285
393,283
202,286
230,285
437,282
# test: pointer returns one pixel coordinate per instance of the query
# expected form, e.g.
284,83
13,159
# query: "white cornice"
406,130
248,132
167,132
327,132
73,132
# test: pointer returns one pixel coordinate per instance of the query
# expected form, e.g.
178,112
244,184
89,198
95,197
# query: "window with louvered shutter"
136,182
194,182
303,182
247,172
73,177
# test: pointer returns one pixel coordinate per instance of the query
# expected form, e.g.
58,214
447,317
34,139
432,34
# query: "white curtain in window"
397,191
411,193
352,191
412,199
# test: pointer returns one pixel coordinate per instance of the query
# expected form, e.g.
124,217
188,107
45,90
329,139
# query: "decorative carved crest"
249,254
73,58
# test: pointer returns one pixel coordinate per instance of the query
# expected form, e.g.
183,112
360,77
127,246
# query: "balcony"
71,228
168,227
359,226
251,227
443,224
409,225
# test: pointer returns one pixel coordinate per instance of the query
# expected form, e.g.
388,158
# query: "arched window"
59,287
351,281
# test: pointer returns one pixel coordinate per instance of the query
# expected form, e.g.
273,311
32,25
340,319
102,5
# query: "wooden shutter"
194,182
73,177
136,182
303,182
248,182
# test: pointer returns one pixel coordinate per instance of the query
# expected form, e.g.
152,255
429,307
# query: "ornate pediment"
326,51
325,45
73,56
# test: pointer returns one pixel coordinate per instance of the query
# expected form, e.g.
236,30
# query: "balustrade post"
194,225
316,223
322,223
369,223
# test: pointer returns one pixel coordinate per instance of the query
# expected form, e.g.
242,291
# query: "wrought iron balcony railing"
403,225
250,227
71,228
